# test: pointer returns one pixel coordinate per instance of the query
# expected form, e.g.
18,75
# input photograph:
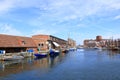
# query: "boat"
65,50
40,55
114,48
13,57
97,48
26,54
53,52
72,49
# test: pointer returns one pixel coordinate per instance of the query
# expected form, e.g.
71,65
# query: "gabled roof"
16,41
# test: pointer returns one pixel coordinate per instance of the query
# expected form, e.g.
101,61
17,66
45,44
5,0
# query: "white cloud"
117,17
63,9
81,25
7,29
6,6
110,35
76,6
72,9
112,4
43,31
116,36
67,10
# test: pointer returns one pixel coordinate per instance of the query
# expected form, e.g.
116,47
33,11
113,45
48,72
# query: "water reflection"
13,67
87,64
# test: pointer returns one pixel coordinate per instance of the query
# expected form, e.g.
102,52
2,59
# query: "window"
38,44
23,43
41,45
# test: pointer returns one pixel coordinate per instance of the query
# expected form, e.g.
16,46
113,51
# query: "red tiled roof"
16,41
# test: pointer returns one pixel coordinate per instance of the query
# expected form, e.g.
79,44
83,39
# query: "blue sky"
77,19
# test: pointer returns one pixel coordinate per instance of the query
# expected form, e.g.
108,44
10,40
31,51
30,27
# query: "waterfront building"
113,44
15,44
89,43
36,43
99,38
45,42
98,42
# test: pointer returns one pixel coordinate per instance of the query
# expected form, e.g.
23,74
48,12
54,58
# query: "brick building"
13,44
98,38
45,42
98,42
89,43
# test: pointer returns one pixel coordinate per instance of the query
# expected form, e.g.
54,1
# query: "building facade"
89,43
99,42
36,43
45,42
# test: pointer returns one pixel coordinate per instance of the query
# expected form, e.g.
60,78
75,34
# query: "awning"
56,44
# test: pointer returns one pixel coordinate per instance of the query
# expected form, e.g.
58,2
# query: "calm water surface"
78,65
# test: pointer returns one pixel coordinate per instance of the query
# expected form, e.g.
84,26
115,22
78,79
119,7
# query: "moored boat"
72,49
40,55
10,58
97,48
53,52
65,50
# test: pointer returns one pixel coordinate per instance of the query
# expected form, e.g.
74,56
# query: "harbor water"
83,64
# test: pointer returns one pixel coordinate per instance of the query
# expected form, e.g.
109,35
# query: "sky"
76,19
